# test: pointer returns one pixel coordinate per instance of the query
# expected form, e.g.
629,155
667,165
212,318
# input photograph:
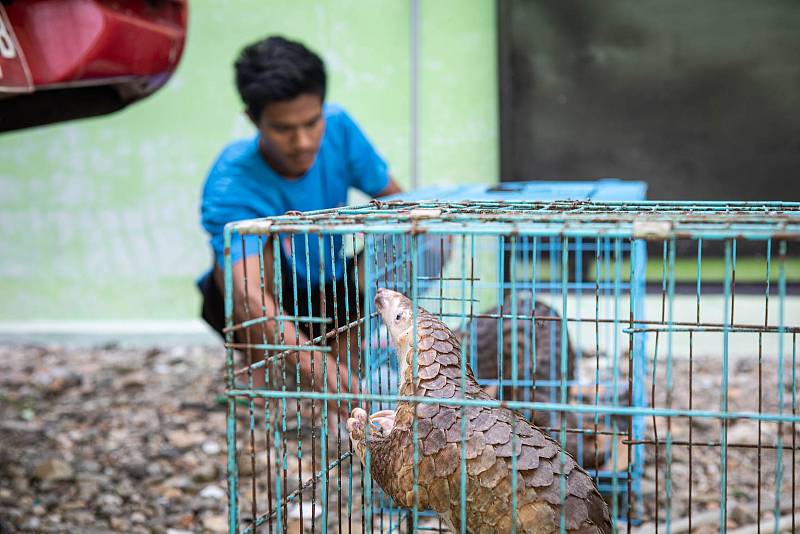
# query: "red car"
68,59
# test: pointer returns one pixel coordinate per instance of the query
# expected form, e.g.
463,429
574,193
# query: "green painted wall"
98,218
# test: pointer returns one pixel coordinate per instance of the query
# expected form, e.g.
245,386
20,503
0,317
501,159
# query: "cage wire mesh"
675,393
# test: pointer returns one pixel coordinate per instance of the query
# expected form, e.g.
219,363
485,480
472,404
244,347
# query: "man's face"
291,133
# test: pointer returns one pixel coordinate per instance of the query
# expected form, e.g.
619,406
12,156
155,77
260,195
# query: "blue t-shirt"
242,185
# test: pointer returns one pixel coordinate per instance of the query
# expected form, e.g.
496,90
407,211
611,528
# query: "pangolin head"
396,311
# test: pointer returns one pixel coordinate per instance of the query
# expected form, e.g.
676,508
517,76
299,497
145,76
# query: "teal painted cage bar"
628,325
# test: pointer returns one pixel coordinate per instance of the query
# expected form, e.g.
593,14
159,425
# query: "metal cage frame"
622,229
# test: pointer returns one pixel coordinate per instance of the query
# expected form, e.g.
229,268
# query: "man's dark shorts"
213,310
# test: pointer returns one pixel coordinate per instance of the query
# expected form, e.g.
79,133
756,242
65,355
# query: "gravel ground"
133,440
112,440
743,456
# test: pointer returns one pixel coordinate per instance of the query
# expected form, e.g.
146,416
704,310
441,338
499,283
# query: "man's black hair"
276,69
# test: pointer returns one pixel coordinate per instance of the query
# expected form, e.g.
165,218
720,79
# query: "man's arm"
251,302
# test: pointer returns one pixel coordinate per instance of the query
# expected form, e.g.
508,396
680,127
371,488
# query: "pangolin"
494,435
547,335
544,335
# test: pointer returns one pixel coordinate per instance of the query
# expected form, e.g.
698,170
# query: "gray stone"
7,497
205,472
213,492
53,469
109,504
154,469
136,469
31,523
89,466
216,523
179,482
83,517
211,448
201,503
88,489
183,439
119,524
124,488
20,484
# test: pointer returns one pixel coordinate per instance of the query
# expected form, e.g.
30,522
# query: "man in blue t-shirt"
305,156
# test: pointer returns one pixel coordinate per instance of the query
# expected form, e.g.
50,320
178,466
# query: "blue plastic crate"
599,190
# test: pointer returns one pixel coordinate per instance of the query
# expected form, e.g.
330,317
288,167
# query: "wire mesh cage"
675,393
